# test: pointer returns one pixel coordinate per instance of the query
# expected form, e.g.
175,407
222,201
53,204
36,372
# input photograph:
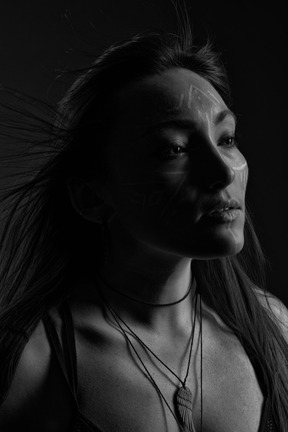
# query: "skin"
153,197
153,201
159,181
159,201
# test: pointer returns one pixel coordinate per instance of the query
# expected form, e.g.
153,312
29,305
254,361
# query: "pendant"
184,408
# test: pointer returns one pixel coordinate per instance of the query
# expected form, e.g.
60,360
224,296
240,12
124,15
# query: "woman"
130,300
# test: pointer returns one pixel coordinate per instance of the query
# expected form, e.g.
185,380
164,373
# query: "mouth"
223,211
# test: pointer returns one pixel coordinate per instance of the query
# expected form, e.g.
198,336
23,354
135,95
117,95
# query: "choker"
147,303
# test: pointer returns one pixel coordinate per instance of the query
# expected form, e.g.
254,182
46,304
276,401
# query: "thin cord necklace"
183,399
147,303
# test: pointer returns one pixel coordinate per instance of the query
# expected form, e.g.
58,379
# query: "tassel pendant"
184,408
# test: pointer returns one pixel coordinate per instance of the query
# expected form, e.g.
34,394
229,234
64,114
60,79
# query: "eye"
229,141
174,150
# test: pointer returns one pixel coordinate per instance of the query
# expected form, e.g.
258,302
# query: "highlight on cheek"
243,172
241,167
244,178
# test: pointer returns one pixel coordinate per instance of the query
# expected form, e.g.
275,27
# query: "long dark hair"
38,258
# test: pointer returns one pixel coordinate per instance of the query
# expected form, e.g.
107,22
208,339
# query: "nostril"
221,175
221,183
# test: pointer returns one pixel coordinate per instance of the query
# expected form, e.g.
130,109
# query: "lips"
222,205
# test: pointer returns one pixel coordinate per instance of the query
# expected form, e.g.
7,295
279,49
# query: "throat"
159,318
147,298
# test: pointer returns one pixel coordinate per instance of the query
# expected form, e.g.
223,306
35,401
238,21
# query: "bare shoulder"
29,375
276,309
38,395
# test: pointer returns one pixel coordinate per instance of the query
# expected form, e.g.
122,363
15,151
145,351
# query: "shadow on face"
172,155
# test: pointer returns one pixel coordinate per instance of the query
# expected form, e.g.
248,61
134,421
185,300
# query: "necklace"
146,303
183,397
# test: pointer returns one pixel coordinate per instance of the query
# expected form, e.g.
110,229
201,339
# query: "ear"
90,199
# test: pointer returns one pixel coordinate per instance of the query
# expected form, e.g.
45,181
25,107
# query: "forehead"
170,94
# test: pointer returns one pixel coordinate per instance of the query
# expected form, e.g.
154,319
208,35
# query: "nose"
220,173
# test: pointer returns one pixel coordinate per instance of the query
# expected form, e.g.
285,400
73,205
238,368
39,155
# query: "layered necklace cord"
147,303
184,395
142,363
148,349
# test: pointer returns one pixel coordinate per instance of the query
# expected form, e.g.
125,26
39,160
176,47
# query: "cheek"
153,198
244,177
156,194
241,172
143,196
239,164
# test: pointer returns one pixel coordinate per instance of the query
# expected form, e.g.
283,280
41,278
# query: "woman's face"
172,158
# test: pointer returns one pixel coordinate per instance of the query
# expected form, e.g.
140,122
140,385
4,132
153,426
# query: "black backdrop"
37,37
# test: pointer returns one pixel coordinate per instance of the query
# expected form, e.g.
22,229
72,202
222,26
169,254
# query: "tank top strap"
65,352
69,344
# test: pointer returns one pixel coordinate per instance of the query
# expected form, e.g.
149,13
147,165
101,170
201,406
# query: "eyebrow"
187,123
223,114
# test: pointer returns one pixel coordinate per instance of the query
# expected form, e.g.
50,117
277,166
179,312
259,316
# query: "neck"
135,284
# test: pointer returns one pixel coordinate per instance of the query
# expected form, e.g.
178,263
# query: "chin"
205,245
225,246
217,244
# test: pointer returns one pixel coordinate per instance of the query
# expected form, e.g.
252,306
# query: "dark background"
39,37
